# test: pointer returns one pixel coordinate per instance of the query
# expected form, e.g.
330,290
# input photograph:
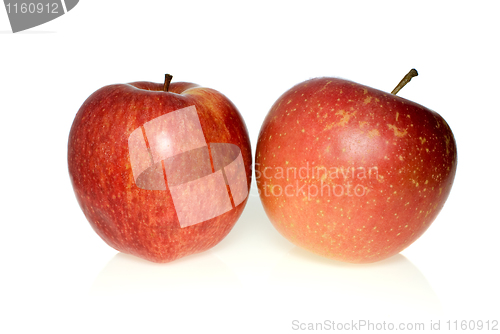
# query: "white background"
58,276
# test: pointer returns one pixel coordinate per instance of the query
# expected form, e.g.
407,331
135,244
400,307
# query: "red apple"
350,172
160,171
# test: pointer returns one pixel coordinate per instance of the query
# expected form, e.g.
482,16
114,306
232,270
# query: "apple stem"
166,84
413,73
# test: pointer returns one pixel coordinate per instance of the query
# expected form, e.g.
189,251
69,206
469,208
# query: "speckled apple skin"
133,220
330,122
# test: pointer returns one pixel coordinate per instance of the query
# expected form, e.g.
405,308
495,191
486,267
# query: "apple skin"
128,218
344,127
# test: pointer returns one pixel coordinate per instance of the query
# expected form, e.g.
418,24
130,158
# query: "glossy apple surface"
160,174
350,172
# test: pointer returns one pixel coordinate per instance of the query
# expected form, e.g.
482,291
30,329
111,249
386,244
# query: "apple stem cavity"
413,73
166,84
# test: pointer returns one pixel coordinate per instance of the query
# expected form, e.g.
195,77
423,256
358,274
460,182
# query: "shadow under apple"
389,287
198,274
